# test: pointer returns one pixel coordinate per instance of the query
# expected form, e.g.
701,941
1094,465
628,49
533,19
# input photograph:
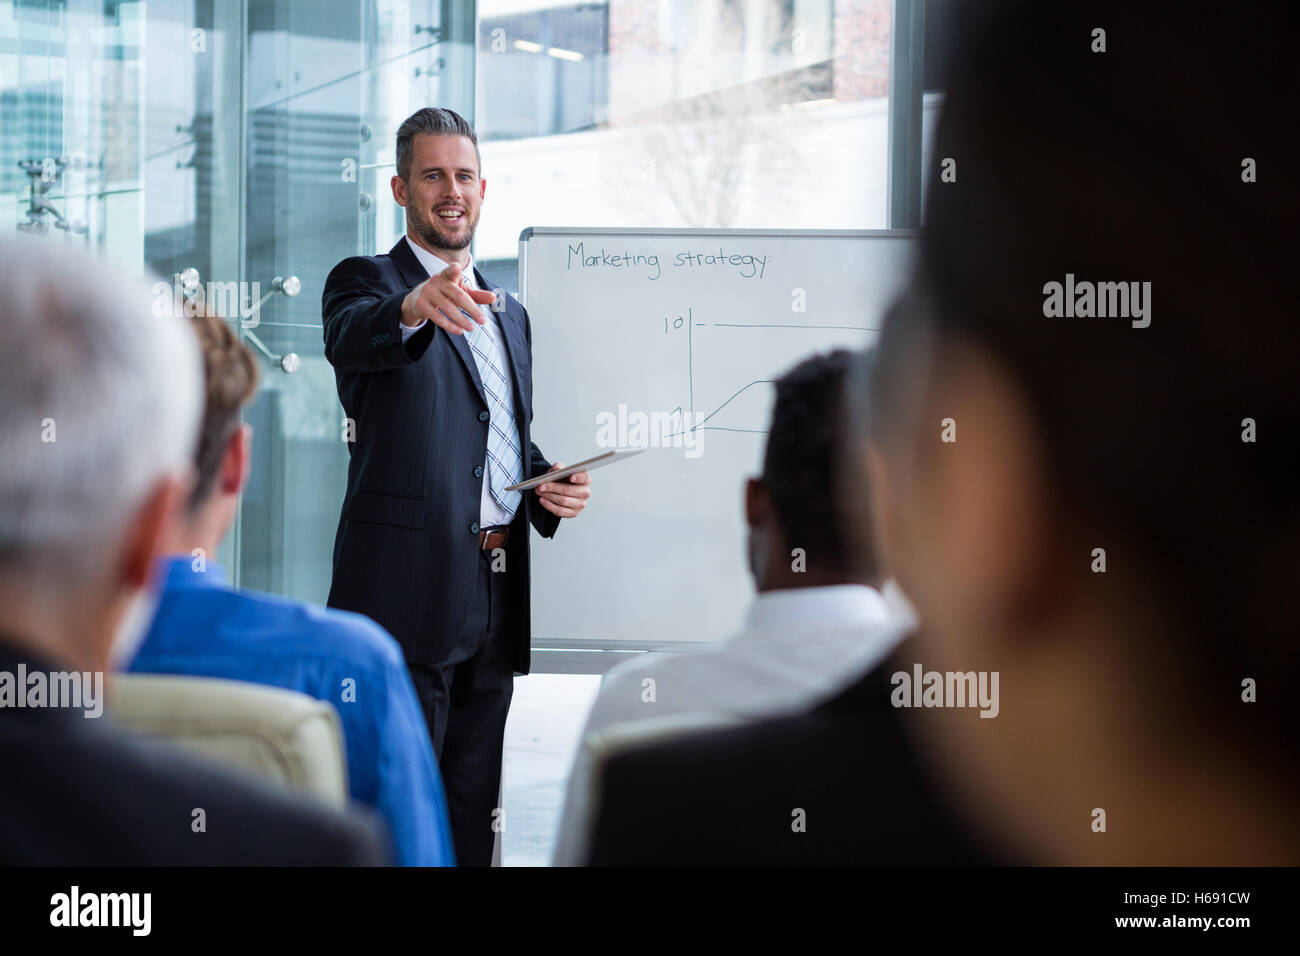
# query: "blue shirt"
204,628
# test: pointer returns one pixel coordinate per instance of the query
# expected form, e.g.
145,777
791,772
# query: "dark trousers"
465,699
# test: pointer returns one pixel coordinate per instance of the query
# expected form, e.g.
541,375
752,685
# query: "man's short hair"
802,465
431,121
230,376
99,401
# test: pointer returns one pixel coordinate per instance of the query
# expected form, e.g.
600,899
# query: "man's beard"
428,232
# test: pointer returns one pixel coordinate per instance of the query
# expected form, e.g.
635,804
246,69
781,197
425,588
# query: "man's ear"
236,461
882,513
482,189
152,524
758,506
399,190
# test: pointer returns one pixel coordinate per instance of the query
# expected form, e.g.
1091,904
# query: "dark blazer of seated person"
839,784
81,793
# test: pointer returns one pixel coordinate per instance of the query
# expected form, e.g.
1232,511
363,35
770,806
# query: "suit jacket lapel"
413,274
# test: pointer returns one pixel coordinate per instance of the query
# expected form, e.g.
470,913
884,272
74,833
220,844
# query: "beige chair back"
283,737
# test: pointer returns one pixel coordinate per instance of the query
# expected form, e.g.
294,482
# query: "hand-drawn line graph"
715,415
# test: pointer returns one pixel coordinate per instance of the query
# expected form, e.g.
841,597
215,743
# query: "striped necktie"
505,464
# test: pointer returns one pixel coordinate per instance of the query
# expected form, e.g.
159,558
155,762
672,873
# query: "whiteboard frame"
528,233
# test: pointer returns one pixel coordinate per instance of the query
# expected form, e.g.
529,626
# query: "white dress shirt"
490,513
797,646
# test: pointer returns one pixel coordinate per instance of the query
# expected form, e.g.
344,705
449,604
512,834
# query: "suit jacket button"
478,472
483,416
474,528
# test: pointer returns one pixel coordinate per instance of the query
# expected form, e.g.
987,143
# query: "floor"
546,717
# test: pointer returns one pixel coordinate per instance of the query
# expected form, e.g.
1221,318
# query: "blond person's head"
230,376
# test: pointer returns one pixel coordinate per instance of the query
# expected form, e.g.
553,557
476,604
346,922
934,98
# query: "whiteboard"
671,339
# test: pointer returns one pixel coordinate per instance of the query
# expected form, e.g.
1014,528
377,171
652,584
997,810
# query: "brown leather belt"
489,539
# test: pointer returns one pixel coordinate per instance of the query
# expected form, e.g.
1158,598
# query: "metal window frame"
906,105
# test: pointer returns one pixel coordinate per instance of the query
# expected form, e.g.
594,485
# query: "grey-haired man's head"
99,408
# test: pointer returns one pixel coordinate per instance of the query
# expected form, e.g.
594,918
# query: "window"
549,71
681,113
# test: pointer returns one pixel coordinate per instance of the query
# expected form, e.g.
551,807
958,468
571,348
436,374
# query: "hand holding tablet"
599,461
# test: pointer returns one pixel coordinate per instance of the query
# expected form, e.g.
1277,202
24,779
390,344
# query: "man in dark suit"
437,389
839,785
99,411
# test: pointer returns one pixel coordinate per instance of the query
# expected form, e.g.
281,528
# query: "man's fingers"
566,485
463,299
455,297
456,326
463,321
564,489
454,276
564,501
565,497
445,311
434,305
444,293
559,510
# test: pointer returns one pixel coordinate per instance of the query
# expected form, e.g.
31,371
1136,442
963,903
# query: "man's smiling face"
443,192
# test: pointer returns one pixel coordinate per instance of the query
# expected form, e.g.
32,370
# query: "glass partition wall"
72,122
326,85
237,149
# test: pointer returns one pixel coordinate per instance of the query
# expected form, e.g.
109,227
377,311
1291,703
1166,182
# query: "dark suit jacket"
78,792
406,553
727,797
